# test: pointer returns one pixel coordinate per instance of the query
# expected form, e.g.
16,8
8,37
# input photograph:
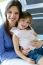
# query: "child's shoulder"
14,29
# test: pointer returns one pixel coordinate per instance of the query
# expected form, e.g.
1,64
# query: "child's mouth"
23,26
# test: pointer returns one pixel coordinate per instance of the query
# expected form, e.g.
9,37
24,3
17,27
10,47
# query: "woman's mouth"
13,19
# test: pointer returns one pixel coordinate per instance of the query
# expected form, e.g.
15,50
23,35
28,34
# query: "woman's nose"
13,15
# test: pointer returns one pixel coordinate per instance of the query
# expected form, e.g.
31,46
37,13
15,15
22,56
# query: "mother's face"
12,15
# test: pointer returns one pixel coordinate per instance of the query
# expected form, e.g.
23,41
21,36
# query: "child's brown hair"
26,14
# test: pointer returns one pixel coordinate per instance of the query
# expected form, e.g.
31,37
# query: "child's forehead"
26,18
22,19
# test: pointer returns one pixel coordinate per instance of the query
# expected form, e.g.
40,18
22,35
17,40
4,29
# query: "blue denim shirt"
6,45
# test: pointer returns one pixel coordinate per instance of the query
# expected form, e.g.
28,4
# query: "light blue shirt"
6,45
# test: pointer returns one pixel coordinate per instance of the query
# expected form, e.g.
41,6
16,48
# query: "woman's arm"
1,44
17,50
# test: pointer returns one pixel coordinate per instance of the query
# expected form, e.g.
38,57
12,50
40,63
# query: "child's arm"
35,33
17,50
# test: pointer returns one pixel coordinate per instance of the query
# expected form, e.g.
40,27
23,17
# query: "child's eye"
27,22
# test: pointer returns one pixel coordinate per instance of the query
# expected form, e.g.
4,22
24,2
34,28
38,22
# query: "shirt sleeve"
15,31
1,43
33,31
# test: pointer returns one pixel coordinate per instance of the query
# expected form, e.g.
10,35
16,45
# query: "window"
35,7
1,17
3,4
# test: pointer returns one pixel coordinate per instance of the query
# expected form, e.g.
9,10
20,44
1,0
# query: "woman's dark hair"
9,5
14,3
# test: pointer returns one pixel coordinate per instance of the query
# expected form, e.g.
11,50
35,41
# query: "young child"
25,39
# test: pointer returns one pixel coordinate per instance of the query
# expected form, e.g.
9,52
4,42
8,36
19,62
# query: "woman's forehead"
13,8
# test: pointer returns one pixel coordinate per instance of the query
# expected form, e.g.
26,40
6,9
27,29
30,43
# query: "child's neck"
28,28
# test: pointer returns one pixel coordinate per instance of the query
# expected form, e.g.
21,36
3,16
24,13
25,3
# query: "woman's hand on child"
30,61
25,51
37,43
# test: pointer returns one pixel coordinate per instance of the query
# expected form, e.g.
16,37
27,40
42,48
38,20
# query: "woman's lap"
35,56
15,62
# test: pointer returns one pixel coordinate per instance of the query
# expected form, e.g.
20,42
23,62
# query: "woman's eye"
23,20
9,12
16,13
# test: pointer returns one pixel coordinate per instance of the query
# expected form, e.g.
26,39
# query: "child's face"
24,23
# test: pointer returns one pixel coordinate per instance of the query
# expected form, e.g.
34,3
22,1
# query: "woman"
12,13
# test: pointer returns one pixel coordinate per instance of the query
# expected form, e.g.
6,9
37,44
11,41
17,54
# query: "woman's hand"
25,51
37,43
30,61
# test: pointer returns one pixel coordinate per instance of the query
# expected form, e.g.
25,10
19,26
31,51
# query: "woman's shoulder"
1,27
1,30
